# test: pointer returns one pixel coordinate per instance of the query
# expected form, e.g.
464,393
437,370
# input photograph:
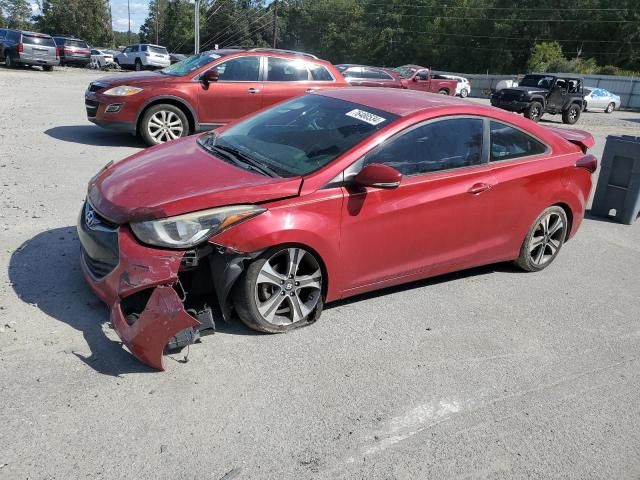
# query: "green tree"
86,19
170,23
546,56
17,13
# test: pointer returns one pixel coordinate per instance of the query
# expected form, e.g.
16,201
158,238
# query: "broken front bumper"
140,284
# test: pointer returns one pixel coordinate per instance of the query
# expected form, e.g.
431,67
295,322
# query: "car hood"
524,90
176,178
135,78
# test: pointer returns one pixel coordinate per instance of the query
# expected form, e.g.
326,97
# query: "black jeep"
538,93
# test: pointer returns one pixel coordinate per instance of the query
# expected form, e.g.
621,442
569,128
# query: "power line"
216,36
230,38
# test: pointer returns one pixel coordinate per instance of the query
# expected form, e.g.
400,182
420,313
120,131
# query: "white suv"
143,56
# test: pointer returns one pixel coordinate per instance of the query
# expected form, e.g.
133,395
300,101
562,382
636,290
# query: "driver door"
437,220
557,96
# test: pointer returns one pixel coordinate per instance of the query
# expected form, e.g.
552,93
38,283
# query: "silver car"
28,48
143,56
600,99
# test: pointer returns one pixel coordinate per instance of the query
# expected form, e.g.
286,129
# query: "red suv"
204,91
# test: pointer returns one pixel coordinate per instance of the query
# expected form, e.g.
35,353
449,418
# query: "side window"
353,72
508,143
319,73
135,48
2,34
435,146
240,69
384,75
370,73
284,70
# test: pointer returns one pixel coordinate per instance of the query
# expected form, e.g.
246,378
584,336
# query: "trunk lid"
176,178
38,45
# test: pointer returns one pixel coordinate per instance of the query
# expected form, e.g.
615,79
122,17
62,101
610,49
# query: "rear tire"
138,65
464,93
571,115
162,123
443,92
534,111
544,240
610,108
48,68
280,291
8,61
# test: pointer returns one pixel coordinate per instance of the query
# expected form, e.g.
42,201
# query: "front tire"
138,65
610,108
280,291
571,115
464,93
534,111
544,240
443,92
163,123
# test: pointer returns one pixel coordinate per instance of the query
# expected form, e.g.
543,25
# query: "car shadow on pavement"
45,272
94,135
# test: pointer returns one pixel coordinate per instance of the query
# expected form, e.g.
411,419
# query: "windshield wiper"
246,159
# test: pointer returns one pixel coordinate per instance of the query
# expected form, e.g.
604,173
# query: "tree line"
472,36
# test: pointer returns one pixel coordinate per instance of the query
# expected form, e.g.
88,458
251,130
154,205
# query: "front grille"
510,96
92,107
99,242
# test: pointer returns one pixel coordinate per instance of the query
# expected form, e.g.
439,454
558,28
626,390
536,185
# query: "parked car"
143,57
463,88
101,57
365,76
415,77
204,91
176,57
600,99
18,47
268,217
73,51
542,93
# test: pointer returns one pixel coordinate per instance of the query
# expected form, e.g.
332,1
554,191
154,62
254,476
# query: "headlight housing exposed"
185,231
122,91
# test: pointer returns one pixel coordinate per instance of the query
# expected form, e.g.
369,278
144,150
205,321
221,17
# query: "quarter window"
240,69
508,143
319,73
436,146
283,70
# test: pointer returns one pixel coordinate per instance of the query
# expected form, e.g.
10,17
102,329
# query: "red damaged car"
268,219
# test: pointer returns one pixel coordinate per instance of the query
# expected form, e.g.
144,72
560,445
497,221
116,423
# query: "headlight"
122,91
187,230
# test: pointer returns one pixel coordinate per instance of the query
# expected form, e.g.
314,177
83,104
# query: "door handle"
479,188
254,90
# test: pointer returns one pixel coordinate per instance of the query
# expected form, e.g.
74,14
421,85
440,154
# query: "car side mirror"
378,175
210,76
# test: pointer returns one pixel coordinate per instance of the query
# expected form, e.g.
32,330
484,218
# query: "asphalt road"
489,373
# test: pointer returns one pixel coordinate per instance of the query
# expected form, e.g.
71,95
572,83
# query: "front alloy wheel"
280,291
162,123
544,240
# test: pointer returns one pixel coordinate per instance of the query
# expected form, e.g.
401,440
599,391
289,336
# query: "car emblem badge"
90,218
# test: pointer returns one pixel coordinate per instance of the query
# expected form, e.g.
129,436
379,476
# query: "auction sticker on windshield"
367,117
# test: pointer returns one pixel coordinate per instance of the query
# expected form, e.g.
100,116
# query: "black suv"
540,93
73,51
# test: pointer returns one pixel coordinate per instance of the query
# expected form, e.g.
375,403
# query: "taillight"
20,48
58,51
589,163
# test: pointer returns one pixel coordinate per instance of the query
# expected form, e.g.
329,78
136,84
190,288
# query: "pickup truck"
415,77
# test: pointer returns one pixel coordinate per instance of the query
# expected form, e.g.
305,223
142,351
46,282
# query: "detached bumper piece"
160,299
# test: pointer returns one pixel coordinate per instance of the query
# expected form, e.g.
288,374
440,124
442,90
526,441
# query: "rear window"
76,43
37,40
160,50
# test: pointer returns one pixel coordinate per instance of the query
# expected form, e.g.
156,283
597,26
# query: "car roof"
397,101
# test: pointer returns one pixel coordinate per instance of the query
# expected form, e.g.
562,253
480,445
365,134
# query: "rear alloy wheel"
138,66
544,240
610,107
280,291
534,111
162,123
8,61
443,92
571,115
464,93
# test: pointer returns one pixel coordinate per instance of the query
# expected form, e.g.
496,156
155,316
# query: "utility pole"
275,22
129,29
197,28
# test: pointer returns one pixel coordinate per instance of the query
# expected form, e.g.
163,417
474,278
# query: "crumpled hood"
176,178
